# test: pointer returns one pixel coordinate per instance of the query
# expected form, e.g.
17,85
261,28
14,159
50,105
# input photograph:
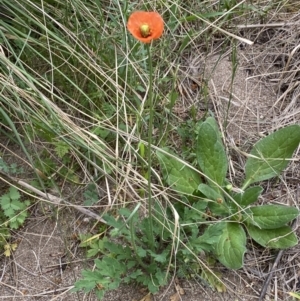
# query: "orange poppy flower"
145,26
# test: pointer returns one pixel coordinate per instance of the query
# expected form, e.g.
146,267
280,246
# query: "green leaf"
92,253
210,153
96,245
152,287
131,263
5,201
137,273
160,257
86,284
111,221
281,238
61,148
195,213
217,204
91,195
209,238
18,220
26,203
16,205
271,154
99,293
271,216
231,246
160,276
126,254
249,196
199,206
209,192
178,175
85,240
110,267
114,284
114,248
14,193
4,166
213,123
141,252
9,212
94,275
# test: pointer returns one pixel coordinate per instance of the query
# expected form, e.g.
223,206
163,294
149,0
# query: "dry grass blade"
50,198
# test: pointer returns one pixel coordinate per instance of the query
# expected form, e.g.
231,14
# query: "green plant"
12,215
9,168
128,255
14,209
91,195
234,211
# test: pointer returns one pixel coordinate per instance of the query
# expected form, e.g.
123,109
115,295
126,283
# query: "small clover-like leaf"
17,205
18,220
5,201
9,212
14,193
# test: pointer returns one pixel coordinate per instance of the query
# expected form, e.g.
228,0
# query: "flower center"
145,30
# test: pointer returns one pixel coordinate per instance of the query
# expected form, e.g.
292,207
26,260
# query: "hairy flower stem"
150,129
133,238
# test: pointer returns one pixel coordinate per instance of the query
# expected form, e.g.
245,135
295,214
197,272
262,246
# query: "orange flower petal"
145,26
